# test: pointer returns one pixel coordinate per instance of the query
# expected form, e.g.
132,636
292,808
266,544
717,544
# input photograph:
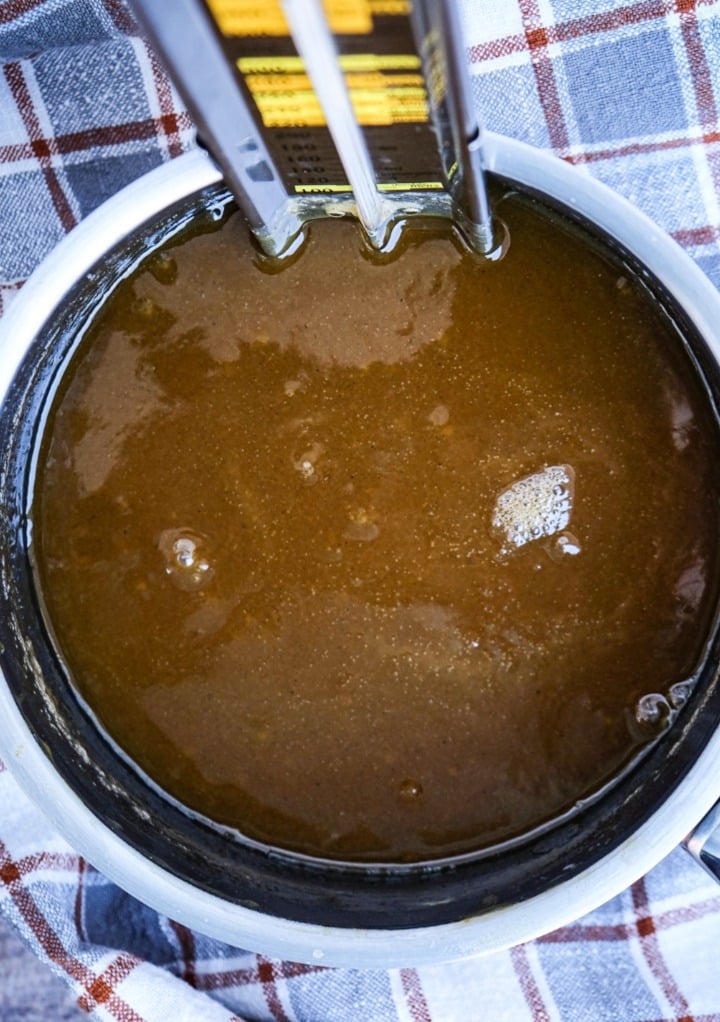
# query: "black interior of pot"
215,860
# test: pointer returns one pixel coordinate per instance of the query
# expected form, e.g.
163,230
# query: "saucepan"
208,877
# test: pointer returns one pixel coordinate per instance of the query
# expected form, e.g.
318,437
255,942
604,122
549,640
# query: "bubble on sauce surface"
361,528
306,463
439,416
186,558
652,715
536,506
361,532
410,790
163,268
563,546
680,693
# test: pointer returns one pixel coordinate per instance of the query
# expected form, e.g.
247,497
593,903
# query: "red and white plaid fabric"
629,91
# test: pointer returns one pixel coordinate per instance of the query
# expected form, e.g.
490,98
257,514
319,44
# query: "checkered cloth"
629,92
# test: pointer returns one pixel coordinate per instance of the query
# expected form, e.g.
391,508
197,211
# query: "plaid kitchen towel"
628,91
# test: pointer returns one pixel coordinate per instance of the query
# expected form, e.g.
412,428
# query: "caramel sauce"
374,559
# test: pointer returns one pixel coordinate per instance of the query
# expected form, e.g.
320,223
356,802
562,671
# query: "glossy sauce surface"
375,560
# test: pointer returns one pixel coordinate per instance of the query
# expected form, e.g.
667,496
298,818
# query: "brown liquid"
375,561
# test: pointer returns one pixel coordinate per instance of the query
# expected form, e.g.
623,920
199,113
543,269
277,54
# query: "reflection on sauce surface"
375,561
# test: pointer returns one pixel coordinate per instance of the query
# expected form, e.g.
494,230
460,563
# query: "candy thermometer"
262,114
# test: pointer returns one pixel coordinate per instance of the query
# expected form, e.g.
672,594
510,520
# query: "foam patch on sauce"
536,506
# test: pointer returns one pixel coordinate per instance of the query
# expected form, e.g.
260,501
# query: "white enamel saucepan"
209,878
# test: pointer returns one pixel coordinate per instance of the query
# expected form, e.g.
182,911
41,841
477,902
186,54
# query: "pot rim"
493,930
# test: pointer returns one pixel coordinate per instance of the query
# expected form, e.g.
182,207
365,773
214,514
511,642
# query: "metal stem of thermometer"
314,42
218,100
437,24
186,38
